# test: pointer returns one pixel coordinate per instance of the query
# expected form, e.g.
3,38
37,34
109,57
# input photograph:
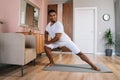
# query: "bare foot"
95,68
50,64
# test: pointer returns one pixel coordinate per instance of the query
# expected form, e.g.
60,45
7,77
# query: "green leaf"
109,38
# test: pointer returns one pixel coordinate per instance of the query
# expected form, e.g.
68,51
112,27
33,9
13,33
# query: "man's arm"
46,36
56,38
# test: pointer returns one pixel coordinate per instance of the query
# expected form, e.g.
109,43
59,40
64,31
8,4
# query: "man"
60,38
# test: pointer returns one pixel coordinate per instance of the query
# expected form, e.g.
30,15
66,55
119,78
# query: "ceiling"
58,1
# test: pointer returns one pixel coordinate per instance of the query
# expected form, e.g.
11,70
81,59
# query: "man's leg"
49,55
75,49
85,58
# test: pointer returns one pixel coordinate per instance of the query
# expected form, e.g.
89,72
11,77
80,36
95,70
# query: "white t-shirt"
57,28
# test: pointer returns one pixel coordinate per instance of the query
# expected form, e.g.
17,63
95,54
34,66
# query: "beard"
53,21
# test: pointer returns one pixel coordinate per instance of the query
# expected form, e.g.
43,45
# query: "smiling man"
60,38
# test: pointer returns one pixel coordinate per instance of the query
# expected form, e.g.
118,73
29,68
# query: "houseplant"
108,36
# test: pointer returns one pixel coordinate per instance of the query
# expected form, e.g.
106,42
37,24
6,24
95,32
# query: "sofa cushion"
30,54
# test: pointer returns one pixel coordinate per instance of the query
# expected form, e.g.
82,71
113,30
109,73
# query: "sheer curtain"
117,27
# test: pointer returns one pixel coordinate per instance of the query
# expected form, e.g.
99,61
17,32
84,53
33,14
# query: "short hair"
51,11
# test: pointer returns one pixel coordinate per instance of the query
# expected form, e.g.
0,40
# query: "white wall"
103,6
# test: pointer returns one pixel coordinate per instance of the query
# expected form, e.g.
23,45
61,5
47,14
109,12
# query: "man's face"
52,16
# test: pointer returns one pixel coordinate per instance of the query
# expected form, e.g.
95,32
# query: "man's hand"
56,38
47,42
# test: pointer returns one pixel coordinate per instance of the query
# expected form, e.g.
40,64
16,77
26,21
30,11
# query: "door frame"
95,25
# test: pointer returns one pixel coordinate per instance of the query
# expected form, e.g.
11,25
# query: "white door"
84,30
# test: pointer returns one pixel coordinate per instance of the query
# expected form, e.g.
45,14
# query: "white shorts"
69,44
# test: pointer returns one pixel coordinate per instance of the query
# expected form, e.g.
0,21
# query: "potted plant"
108,36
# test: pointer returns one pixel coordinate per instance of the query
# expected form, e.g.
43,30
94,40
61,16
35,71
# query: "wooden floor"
36,73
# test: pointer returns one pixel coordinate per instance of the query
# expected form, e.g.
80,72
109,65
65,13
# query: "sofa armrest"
12,47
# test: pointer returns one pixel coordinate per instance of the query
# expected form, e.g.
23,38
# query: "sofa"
17,49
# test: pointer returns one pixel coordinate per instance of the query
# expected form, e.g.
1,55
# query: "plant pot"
108,52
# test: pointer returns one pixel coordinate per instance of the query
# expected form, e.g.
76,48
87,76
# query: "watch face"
106,17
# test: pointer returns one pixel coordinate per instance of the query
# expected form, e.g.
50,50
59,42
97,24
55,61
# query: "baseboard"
59,52
103,53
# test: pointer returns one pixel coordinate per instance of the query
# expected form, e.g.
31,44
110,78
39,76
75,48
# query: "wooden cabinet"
39,41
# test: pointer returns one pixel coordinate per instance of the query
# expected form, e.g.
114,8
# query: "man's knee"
79,54
45,47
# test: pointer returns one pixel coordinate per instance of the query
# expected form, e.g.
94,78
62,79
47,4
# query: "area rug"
76,68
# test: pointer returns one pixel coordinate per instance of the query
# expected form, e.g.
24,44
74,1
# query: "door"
84,29
68,21
68,18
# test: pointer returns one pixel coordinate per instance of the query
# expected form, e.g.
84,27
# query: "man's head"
52,15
